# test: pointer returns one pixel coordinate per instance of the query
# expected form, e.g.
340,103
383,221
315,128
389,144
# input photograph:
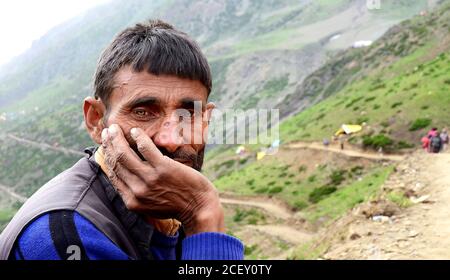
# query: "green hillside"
398,88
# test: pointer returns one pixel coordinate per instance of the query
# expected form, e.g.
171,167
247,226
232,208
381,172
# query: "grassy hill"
398,88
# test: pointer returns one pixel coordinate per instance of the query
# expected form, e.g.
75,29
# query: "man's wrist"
210,219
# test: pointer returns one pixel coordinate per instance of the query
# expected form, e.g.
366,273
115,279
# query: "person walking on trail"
444,138
433,132
425,143
342,141
435,144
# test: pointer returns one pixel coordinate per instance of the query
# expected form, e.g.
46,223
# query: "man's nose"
169,136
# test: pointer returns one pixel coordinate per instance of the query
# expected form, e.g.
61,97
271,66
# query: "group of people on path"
435,141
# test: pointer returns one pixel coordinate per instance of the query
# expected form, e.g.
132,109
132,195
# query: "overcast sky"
23,21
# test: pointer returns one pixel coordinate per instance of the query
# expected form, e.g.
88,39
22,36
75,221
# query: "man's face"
171,110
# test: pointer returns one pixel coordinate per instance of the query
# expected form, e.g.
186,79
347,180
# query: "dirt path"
347,151
17,196
44,145
267,237
285,232
269,207
421,231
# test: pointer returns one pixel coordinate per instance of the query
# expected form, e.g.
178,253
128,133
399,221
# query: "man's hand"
160,187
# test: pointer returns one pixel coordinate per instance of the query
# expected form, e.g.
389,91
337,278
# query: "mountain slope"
398,87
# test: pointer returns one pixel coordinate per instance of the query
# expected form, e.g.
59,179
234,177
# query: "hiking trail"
13,194
44,146
420,231
347,151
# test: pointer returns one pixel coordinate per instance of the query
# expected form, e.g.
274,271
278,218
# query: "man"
436,143
140,195
444,138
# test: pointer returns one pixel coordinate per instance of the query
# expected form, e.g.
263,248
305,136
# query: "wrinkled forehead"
131,85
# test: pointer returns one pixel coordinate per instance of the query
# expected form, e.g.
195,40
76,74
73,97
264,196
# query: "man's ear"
94,110
206,119
208,112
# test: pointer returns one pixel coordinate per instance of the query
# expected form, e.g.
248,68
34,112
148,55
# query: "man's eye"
191,115
141,112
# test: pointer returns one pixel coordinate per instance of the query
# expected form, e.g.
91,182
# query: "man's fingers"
119,150
146,146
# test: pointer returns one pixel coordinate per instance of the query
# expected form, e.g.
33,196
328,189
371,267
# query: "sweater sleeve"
35,243
212,246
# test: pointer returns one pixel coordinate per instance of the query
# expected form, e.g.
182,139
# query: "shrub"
262,190
248,250
377,141
357,170
420,124
400,199
384,124
321,116
275,190
239,216
300,205
251,216
311,178
337,177
396,104
229,163
352,102
250,182
362,120
243,161
320,193
404,145
377,86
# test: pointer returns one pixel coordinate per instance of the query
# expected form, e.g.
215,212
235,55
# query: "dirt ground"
420,231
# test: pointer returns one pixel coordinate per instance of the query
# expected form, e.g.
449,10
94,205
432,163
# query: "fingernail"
134,132
104,135
112,131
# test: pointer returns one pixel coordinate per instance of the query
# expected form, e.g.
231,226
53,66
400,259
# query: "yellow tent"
260,155
348,129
